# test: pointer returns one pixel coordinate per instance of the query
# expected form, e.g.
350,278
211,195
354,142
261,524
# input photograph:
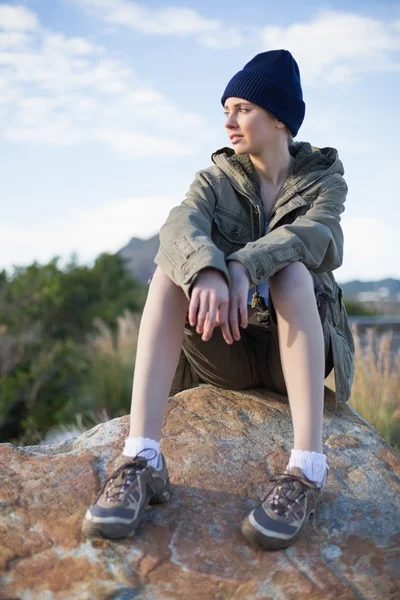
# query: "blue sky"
109,107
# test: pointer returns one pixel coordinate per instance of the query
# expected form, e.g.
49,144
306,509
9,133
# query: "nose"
230,122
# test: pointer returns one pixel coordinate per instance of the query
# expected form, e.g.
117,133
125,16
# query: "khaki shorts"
253,361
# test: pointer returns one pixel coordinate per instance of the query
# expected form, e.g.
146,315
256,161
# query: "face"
256,129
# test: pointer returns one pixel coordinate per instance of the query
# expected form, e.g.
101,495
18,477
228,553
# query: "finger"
222,313
226,332
202,314
243,313
233,319
224,323
193,307
210,320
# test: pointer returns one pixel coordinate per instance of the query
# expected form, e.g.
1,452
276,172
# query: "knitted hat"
271,80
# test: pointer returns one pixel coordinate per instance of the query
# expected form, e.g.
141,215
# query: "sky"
108,108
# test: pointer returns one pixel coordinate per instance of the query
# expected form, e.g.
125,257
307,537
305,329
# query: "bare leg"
302,352
159,345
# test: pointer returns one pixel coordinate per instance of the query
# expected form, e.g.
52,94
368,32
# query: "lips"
235,138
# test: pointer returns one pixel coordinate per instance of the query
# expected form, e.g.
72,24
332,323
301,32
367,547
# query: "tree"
45,315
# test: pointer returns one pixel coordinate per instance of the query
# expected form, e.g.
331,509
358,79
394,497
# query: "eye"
226,113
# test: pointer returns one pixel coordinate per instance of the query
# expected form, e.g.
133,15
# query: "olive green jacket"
222,219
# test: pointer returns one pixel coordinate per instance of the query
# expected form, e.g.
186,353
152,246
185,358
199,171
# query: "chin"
241,150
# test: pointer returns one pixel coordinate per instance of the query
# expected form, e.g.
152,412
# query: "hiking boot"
278,520
119,508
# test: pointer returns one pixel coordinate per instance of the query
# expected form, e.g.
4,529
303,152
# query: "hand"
240,285
209,303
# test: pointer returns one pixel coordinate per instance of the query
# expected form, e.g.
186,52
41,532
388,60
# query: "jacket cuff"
185,275
203,259
260,270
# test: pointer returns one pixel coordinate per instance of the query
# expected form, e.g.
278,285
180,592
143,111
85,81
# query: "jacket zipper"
254,206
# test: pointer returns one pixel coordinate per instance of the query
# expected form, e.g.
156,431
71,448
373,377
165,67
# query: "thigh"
230,366
275,372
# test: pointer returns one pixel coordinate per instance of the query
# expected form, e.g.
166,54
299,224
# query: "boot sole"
256,538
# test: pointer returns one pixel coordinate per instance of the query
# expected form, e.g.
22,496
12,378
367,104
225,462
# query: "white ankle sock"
133,445
313,464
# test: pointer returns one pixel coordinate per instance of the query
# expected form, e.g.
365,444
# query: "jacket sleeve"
315,238
186,246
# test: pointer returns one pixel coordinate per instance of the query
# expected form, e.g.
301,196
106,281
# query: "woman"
244,285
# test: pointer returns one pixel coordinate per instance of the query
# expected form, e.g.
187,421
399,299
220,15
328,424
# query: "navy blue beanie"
271,80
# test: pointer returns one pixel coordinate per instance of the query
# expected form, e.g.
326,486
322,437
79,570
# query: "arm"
186,246
315,238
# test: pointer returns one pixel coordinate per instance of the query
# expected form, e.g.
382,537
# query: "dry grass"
375,392
376,387
111,359
106,390
120,347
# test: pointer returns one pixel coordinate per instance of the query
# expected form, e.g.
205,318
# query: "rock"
221,447
339,441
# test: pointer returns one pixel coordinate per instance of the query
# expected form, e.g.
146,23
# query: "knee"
295,278
164,287
160,278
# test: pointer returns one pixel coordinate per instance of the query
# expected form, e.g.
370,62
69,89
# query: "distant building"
382,293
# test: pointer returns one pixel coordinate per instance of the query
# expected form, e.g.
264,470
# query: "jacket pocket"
229,231
185,247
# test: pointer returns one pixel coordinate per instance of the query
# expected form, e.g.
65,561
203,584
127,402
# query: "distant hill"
385,289
139,255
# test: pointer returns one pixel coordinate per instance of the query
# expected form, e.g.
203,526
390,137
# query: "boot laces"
122,478
286,483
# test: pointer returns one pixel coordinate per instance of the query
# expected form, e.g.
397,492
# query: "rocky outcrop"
221,447
139,257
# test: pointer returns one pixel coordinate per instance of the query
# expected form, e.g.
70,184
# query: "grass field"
376,388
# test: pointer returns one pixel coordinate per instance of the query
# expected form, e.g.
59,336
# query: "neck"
273,166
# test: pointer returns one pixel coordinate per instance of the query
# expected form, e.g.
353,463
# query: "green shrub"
358,309
46,314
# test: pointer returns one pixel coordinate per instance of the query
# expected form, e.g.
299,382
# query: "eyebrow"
238,104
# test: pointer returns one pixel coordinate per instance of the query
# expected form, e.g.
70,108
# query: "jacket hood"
310,164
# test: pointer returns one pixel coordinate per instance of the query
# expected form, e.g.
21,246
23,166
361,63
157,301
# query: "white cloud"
73,46
106,228
11,40
167,20
370,250
327,125
338,46
17,18
63,91
140,145
227,39
335,47
58,132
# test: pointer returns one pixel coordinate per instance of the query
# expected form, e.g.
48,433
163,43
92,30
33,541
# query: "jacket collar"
310,164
